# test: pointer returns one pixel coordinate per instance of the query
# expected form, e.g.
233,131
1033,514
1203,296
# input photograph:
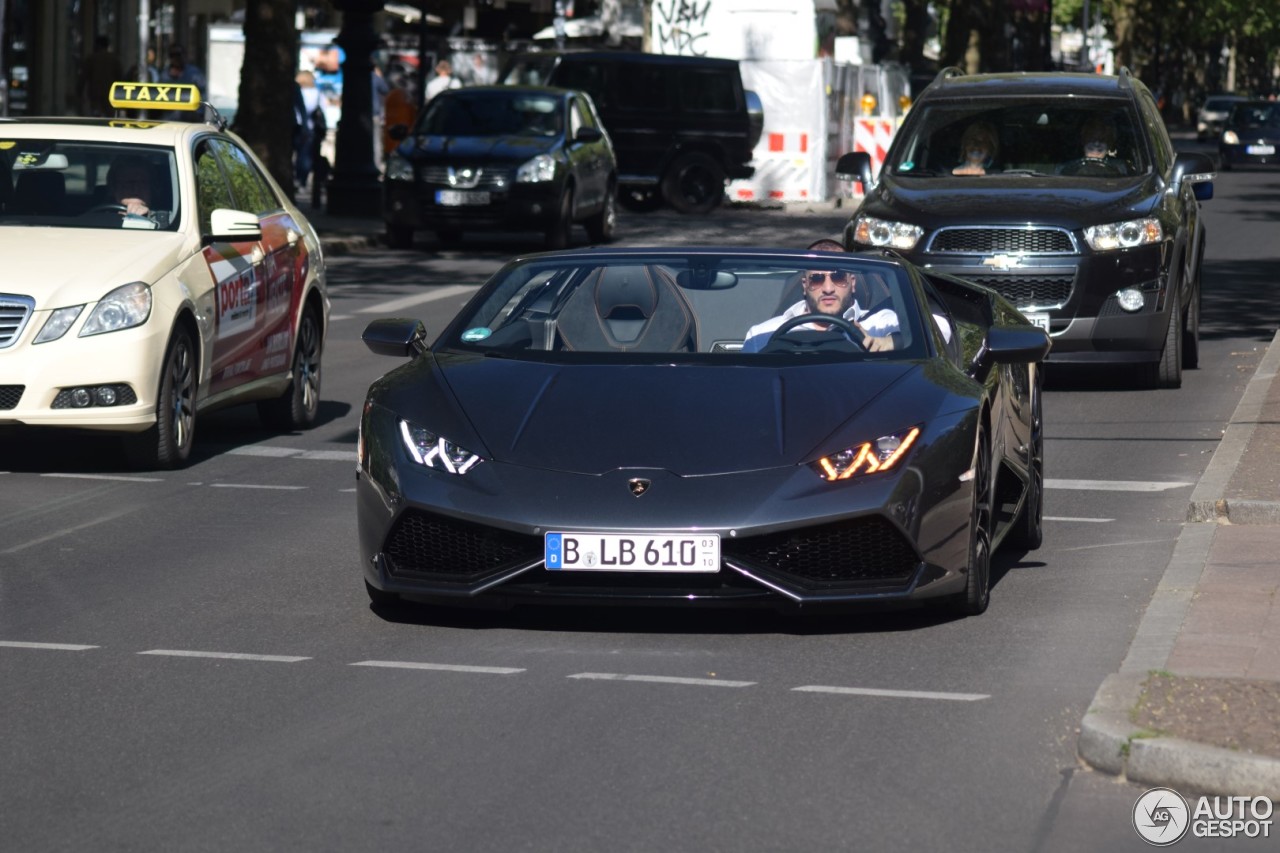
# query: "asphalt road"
189,661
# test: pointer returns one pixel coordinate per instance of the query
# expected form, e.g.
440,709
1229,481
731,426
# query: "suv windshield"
491,114
53,182
1023,136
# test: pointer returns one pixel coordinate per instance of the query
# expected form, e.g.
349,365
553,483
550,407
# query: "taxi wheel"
167,444
297,407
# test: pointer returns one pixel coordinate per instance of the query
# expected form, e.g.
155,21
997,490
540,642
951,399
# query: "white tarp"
790,158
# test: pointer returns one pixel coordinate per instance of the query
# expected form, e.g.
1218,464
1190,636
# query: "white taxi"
153,271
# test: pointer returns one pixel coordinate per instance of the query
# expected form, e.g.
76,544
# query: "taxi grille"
10,395
985,241
14,313
863,549
1043,290
490,179
421,543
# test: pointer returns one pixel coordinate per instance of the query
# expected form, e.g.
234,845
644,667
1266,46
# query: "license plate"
1260,149
1041,320
458,198
633,552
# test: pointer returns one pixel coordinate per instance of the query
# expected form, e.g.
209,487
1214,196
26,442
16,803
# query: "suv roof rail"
1126,77
947,73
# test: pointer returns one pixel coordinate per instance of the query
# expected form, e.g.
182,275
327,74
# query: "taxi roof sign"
148,96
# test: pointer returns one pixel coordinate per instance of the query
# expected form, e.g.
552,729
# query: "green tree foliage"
264,118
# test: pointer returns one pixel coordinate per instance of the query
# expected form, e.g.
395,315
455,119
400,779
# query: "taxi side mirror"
233,226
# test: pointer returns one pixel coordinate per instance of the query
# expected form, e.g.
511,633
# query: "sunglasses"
840,278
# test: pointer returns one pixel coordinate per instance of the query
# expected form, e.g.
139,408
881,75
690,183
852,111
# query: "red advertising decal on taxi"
237,286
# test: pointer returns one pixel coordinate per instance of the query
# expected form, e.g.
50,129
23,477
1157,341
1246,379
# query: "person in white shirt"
830,292
444,79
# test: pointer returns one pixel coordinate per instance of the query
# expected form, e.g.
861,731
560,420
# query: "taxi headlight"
398,168
539,169
435,451
122,308
881,232
867,458
58,323
1123,235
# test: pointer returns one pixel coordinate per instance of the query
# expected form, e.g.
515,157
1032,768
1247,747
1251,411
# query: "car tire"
694,183
167,443
640,199
380,597
557,236
298,406
1191,333
977,592
1167,372
600,227
1028,530
399,237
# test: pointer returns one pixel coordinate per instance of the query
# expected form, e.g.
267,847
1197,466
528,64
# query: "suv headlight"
435,451
881,232
540,168
122,308
398,168
1230,137
1123,235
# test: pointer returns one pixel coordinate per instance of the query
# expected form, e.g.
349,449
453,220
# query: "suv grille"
864,549
422,543
490,178
983,241
14,313
1042,290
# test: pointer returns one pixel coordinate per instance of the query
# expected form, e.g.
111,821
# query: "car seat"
628,309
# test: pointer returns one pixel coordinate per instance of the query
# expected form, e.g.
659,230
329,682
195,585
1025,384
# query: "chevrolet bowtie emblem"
638,486
464,178
1002,262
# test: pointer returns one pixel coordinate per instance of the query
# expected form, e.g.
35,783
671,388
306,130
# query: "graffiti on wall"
682,26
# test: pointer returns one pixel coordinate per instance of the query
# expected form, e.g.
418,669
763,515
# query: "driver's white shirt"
880,324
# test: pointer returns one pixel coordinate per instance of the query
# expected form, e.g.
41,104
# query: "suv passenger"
1084,216
680,125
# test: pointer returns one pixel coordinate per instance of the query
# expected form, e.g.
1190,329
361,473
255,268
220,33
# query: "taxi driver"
129,185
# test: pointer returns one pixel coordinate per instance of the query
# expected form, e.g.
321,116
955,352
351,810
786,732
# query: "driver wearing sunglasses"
830,292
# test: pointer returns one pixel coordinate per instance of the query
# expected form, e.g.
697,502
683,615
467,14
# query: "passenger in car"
830,292
979,146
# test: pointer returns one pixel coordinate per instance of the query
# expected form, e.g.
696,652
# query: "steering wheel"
848,326
1091,167
109,207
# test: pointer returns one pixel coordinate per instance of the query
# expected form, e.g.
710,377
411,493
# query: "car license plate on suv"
1260,149
633,552
458,198
1039,319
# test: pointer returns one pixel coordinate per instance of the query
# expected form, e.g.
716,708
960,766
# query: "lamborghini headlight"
435,451
1123,235
870,457
122,308
881,232
539,169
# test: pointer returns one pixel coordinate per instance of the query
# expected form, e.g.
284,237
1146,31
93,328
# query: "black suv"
1083,215
680,125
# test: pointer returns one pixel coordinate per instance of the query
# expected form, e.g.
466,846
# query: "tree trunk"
264,118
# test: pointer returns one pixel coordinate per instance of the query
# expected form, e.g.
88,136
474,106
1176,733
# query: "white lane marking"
1120,544
274,452
443,667
1069,518
59,647
105,477
66,530
346,490
256,486
1114,485
895,694
660,679
395,305
180,653
335,317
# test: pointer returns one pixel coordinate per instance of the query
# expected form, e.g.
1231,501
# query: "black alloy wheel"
694,183
167,443
298,406
977,591
557,236
1028,531
600,227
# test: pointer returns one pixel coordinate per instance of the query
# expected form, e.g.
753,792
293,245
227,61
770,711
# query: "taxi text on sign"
175,96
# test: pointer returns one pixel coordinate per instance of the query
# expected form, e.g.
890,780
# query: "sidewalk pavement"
1196,703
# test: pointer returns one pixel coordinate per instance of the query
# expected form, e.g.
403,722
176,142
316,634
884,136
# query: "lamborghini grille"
863,549
422,543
